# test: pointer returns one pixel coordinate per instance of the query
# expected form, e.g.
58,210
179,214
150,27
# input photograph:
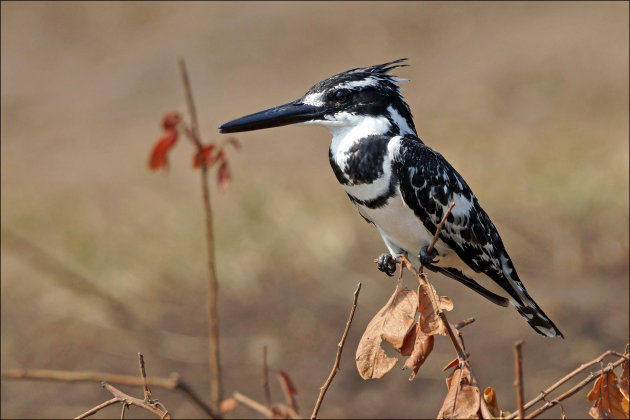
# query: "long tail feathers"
537,319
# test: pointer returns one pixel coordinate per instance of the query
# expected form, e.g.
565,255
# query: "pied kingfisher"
402,186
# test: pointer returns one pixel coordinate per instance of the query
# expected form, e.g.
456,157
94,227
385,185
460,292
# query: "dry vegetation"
101,259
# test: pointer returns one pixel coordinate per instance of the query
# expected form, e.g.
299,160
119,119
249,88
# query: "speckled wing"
428,184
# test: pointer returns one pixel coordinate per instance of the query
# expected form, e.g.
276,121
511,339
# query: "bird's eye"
342,96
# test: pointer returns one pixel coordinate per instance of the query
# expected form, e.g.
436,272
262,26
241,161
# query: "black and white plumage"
402,186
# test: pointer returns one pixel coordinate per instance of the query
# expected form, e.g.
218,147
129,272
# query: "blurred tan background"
529,101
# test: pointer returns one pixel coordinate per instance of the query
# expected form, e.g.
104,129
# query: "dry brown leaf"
623,381
465,376
446,304
409,342
608,401
391,324
398,316
429,304
463,399
423,345
490,397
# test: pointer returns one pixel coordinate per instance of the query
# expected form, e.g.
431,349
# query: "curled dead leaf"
409,342
608,401
423,345
391,324
490,397
429,305
463,399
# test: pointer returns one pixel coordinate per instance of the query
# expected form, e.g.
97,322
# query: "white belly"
402,230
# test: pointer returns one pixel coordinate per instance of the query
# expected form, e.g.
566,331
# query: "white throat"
347,129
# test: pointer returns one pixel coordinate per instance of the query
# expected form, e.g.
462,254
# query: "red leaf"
234,142
170,120
223,175
204,156
159,154
288,388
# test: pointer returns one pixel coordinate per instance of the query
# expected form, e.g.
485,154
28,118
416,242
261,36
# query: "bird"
402,186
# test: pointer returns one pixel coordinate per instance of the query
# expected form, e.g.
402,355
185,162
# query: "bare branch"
464,323
253,404
335,369
590,378
143,375
568,377
174,383
99,407
149,406
455,339
518,382
213,316
265,375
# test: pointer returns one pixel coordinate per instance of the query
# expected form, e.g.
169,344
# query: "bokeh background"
529,101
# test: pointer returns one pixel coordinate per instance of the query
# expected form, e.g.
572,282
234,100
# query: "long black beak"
291,113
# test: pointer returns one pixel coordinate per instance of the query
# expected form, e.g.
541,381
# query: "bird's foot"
427,258
387,264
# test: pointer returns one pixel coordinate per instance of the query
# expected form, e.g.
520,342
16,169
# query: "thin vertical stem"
265,375
213,324
518,382
143,375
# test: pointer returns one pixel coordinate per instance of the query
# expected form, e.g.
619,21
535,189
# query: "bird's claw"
387,264
426,258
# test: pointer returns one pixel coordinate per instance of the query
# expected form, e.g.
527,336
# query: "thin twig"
265,375
253,404
174,383
464,323
143,375
590,378
213,324
124,407
119,396
99,407
335,369
439,228
459,349
566,378
154,408
518,382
